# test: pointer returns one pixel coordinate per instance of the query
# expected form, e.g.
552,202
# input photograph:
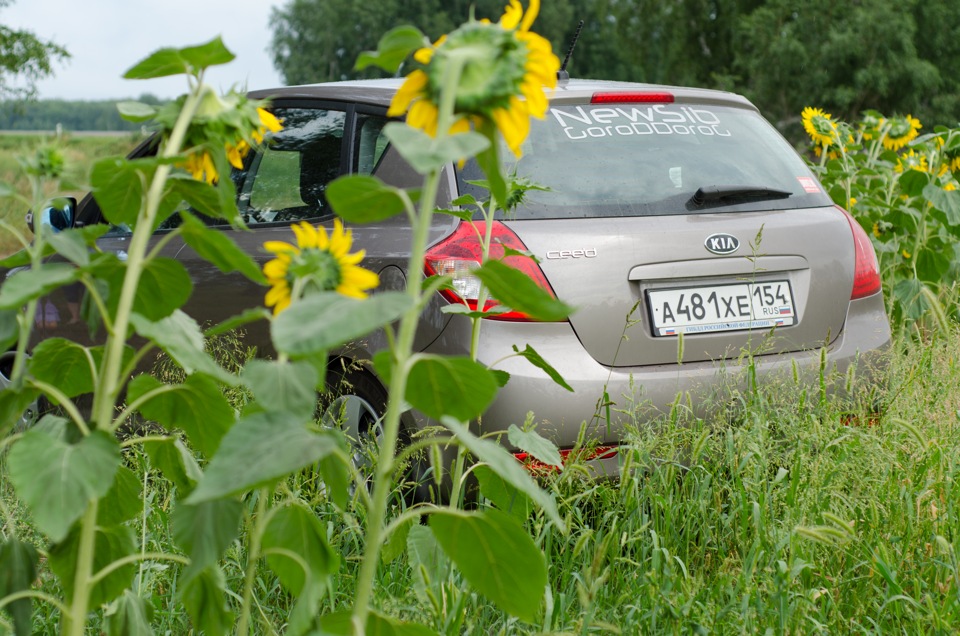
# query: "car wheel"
356,403
32,413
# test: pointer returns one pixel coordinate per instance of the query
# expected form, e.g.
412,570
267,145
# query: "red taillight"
632,97
866,270
461,252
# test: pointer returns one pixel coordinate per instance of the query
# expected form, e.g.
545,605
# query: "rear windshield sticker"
625,121
808,183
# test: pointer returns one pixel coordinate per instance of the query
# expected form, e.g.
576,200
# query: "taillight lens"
633,97
866,270
461,253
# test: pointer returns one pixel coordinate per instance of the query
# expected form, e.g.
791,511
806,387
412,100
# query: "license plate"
713,308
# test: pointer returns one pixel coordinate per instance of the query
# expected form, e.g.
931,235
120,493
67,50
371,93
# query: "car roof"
379,92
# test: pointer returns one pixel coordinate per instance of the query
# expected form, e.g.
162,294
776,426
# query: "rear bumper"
853,361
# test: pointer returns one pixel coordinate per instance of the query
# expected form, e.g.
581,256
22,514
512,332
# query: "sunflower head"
901,131
819,125
231,122
500,63
912,161
318,262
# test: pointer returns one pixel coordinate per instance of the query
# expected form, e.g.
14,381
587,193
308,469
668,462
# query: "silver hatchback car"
684,229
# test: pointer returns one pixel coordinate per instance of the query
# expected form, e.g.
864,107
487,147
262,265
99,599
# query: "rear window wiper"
721,192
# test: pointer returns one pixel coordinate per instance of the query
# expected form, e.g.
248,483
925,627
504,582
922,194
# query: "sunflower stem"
110,379
402,353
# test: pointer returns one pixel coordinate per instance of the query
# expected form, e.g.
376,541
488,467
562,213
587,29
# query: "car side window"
286,181
370,142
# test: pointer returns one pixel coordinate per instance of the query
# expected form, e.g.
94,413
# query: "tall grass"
784,516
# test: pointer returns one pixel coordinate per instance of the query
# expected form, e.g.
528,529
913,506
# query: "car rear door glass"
286,181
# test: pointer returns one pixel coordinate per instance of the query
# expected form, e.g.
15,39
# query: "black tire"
357,402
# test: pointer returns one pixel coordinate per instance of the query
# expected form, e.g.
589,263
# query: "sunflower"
912,161
505,70
901,131
819,126
318,262
254,124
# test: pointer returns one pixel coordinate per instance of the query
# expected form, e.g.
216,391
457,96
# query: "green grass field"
785,517
80,152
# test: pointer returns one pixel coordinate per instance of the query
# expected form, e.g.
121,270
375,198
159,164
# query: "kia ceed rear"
691,238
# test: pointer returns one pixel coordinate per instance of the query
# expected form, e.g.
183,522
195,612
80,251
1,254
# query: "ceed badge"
722,243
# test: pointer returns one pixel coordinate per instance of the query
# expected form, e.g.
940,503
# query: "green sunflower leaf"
205,599
29,284
18,571
283,386
394,47
58,480
259,450
171,61
205,531
425,154
118,189
218,248
518,291
180,337
322,322
364,199
197,407
506,465
111,543
496,556
535,444
9,328
457,386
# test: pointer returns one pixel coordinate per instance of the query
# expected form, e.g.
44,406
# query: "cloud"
106,37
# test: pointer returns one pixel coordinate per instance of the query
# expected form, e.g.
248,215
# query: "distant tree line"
70,115
896,56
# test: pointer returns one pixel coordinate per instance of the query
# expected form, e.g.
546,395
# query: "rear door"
689,215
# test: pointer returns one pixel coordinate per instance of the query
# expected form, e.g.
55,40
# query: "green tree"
24,57
319,40
843,56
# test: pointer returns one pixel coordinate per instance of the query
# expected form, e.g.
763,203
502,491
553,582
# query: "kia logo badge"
722,243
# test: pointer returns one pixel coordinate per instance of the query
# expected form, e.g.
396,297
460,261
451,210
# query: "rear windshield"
651,159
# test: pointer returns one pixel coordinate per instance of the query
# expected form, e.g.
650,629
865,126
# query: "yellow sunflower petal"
280,248
340,240
355,281
514,124
269,120
532,11
537,102
234,156
277,294
281,305
276,268
423,115
512,14
306,235
461,125
411,88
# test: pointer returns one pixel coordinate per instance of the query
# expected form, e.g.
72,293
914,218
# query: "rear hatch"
687,214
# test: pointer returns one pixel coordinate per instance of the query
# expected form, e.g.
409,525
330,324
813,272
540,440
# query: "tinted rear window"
650,159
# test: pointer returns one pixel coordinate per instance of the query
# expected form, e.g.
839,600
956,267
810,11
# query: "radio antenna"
562,73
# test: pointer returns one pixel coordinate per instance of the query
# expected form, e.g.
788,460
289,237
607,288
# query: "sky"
107,37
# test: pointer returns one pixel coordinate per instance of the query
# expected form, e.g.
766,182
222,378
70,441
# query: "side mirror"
57,216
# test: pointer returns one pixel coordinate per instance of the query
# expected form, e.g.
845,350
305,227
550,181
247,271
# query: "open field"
80,151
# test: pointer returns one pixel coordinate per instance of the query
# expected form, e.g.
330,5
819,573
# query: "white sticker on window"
809,184
625,121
